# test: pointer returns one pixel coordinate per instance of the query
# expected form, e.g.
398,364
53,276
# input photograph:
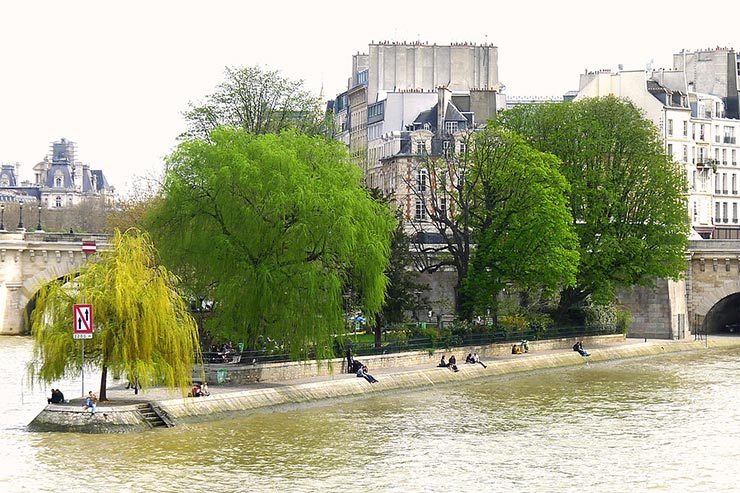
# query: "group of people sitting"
200,390
56,397
474,358
451,364
521,348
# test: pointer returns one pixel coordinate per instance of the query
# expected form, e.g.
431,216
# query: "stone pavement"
118,395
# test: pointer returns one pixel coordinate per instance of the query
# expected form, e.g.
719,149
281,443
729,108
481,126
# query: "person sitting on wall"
60,395
469,358
362,372
204,389
91,402
516,349
356,365
197,391
443,362
525,345
578,347
452,364
476,359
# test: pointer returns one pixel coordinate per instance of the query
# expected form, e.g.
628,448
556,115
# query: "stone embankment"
299,383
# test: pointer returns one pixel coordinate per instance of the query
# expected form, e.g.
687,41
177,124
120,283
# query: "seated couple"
452,364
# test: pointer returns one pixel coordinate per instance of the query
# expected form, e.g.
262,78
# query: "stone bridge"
705,300
32,259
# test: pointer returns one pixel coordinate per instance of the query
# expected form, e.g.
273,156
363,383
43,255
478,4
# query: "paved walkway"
118,395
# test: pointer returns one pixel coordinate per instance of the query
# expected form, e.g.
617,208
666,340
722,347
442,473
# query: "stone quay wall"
123,419
229,374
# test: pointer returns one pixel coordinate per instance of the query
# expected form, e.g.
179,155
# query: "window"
724,183
450,127
420,147
443,207
685,154
724,212
716,133
724,156
734,157
421,212
463,147
58,201
670,150
685,128
445,147
696,212
421,180
734,212
716,212
670,127
734,183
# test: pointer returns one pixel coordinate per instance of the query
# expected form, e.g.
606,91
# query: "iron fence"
394,342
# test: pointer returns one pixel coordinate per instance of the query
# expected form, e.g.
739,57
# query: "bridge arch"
724,316
31,260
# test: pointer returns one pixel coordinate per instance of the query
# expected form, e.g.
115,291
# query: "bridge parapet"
31,259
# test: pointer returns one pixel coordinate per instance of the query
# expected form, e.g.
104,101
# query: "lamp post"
38,227
2,217
20,216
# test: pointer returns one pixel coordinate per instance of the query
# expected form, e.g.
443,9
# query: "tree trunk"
378,329
102,396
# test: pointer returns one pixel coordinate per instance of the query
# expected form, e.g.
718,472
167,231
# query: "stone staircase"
155,417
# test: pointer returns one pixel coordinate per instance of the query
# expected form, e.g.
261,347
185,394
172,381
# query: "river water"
668,423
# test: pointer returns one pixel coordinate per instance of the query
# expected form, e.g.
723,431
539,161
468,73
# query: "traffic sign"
89,247
83,322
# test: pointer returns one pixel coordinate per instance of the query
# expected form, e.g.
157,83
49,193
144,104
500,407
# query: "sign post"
82,318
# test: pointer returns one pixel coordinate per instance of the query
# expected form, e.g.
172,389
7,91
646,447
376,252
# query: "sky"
114,77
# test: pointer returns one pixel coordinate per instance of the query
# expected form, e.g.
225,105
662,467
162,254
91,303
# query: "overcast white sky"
114,77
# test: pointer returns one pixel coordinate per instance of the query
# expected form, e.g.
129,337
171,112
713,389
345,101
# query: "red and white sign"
89,247
83,322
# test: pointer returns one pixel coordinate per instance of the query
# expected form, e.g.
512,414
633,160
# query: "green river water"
668,423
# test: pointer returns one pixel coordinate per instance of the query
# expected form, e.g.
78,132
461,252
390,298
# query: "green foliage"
518,213
257,101
627,196
277,226
142,326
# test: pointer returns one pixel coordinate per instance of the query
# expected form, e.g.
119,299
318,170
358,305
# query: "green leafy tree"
508,200
258,101
627,196
142,326
278,226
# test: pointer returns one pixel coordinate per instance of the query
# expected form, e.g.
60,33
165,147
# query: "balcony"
729,140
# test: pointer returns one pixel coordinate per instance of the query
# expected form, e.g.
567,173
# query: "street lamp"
2,217
38,227
20,216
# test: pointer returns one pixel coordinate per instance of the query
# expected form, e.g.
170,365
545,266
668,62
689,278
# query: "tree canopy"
275,226
508,200
627,196
258,101
142,326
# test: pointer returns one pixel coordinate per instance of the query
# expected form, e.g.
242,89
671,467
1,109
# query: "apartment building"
408,101
698,129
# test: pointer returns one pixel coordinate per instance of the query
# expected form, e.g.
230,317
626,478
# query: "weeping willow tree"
142,327
278,226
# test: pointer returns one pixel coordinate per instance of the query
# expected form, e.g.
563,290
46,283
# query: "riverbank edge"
130,418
